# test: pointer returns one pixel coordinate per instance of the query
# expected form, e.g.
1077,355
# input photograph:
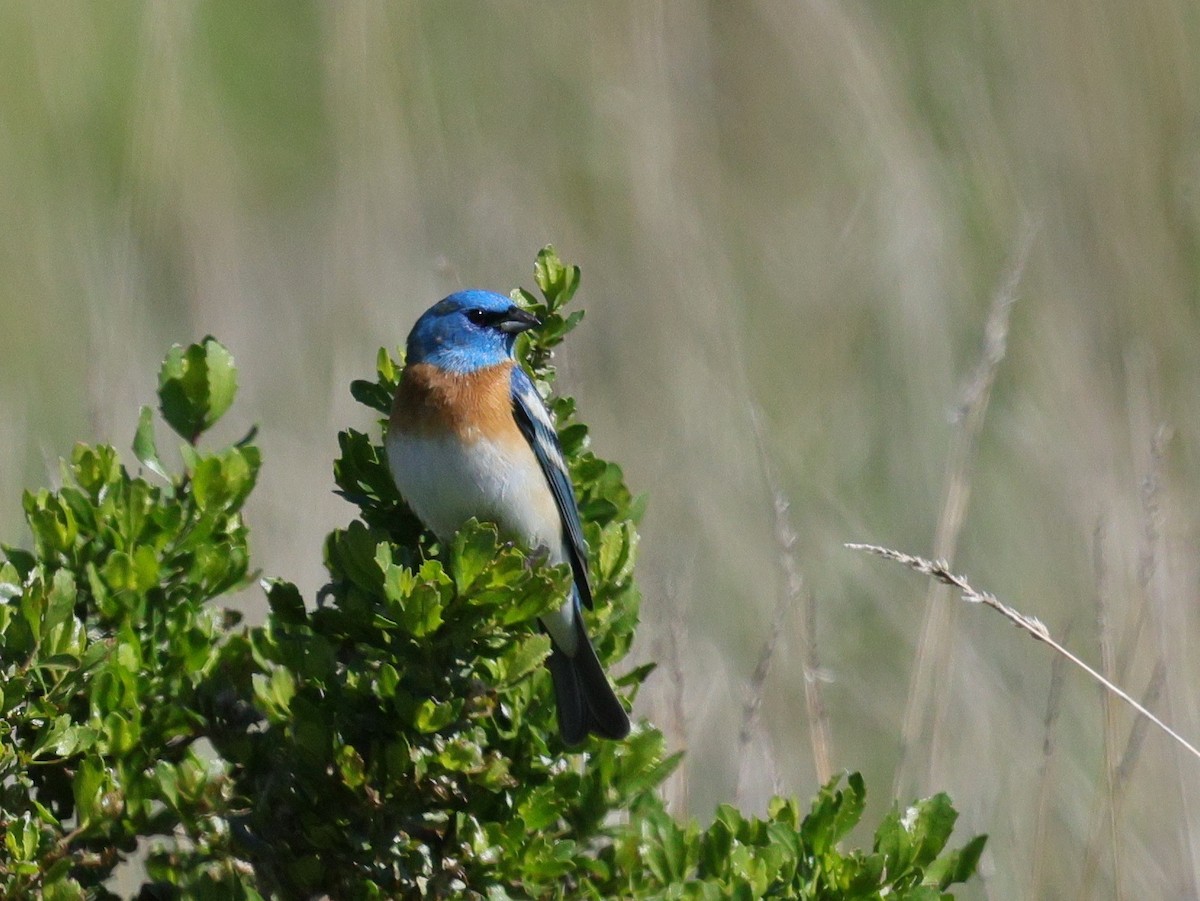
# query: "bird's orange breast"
433,402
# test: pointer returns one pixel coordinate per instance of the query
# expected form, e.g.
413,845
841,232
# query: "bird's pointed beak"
517,320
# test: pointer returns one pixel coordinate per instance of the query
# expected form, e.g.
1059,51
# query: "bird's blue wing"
535,424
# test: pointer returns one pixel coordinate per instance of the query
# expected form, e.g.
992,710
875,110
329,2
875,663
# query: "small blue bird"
468,437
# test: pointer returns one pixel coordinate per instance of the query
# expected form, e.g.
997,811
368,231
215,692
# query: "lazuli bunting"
468,437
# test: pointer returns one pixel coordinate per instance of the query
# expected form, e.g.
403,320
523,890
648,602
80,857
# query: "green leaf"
385,367
352,554
664,849
64,738
717,842
53,524
225,480
196,385
21,837
522,298
850,809
387,681
10,583
524,658
144,446
832,813
121,731
311,729
287,606
61,606
417,600
95,468
575,318
92,781
540,808
118,572
431,716
922,893
274,693
472,552
64,644
618,546
166,777
930,823
461,755
350,764
556,280
573,438
957,866
372,394
59,886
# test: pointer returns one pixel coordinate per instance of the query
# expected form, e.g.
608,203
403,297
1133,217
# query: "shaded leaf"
196,385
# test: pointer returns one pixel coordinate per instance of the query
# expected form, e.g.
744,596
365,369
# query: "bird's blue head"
467,331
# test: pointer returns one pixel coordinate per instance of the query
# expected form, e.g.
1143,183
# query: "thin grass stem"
928,691
1058,667
1030,624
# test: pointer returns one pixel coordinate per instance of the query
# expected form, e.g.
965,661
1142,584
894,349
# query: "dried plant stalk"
795,593
928,689
1058,667
1031,624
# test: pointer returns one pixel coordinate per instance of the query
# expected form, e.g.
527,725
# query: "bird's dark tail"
586,702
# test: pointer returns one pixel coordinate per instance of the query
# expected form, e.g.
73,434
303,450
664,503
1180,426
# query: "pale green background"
799,206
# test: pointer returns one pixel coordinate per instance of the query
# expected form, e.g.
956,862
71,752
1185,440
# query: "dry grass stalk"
676,789
1120,780
1151,508
1105,807
796,593
1031,624
1108,665
1137,733
751,711
1058,667
814,698
928,688
1159,584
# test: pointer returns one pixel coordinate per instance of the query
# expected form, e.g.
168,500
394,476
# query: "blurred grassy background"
800,207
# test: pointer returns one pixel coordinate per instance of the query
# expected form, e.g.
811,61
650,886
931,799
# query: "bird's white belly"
446,482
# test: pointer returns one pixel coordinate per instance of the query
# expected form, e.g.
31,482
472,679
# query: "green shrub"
394,739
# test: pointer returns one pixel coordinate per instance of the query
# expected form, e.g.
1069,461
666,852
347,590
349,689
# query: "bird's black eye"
477,317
